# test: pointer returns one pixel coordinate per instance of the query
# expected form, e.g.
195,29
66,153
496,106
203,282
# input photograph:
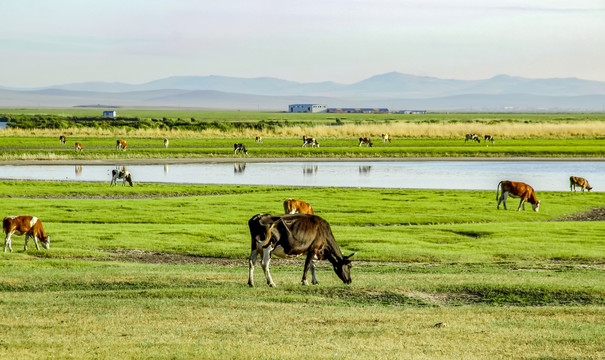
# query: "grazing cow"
292,206
517,189
292,235
120,174
259,139
489,138
78,146
366,141
472,137
62,139
30,226
166,142
239,147
386,137
121,145
309,141
578,181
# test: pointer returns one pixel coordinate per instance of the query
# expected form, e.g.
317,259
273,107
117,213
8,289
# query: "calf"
472,137
78,146
239,147
30,226
309,141
62,139
121,145
292,235
580,182
517,189
120,174
386,137
292,206
366,141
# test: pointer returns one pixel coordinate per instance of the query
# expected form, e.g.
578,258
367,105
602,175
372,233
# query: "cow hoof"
305,283
250,284
272,285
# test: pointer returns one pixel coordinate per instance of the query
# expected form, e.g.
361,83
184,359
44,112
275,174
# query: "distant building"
307,108
411,112
109,113
359,110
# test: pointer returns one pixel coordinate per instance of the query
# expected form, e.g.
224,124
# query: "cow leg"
7,242
308,262
313,277
265,265
36,242
503,200
521,204
251,264
26,240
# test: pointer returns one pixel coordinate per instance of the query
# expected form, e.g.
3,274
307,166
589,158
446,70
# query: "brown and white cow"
259,139
78,146
517,189
309,141
386,137
291,235
121,145
120,174
580,182
62,139
365,140
30,226
292,206
166,142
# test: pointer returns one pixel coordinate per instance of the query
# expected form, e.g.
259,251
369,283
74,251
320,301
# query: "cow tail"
498,190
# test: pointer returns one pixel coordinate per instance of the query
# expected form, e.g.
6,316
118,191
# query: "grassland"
159,271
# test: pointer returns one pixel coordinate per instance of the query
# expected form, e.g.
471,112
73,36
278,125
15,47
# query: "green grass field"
160,271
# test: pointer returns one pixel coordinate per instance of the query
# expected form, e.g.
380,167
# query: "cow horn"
347,257
269,229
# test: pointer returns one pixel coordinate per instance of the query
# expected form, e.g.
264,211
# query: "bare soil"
595,214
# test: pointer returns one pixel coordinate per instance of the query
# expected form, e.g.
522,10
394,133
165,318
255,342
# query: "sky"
45,43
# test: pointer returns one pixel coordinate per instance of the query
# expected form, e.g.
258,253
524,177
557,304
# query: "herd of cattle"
298,231
120,144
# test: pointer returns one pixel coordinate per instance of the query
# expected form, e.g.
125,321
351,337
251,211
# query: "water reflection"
166,169
364,169
239,168
78,170
309,170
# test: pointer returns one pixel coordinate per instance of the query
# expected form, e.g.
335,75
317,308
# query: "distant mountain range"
395,91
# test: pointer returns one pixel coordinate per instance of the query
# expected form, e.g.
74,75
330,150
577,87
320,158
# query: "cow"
120,174
239,147
292,235
166,142
578,181
517,189
309,141
472,137
366,141
489,138
386,137
259,139
121,145
62,139
30,226
78,146
292,206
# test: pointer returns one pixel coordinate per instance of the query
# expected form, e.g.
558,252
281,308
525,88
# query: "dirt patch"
595,214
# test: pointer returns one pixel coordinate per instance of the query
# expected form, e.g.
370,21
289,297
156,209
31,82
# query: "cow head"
45,241
342,268
536,206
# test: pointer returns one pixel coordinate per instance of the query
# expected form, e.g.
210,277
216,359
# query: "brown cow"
78,147
292,235
386,137
259,139
62,139
121,145
365,140
517,189
292,206
30,226
578,181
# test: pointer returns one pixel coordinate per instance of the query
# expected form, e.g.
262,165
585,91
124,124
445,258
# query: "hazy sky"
134,41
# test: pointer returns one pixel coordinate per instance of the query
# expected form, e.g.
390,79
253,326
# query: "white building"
311,108
109,114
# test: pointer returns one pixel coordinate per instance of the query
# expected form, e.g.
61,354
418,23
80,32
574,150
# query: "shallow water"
467,175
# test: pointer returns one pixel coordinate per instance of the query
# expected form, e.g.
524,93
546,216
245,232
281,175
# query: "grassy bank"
159,271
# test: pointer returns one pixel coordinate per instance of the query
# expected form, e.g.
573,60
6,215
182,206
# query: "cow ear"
348,257
267,220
